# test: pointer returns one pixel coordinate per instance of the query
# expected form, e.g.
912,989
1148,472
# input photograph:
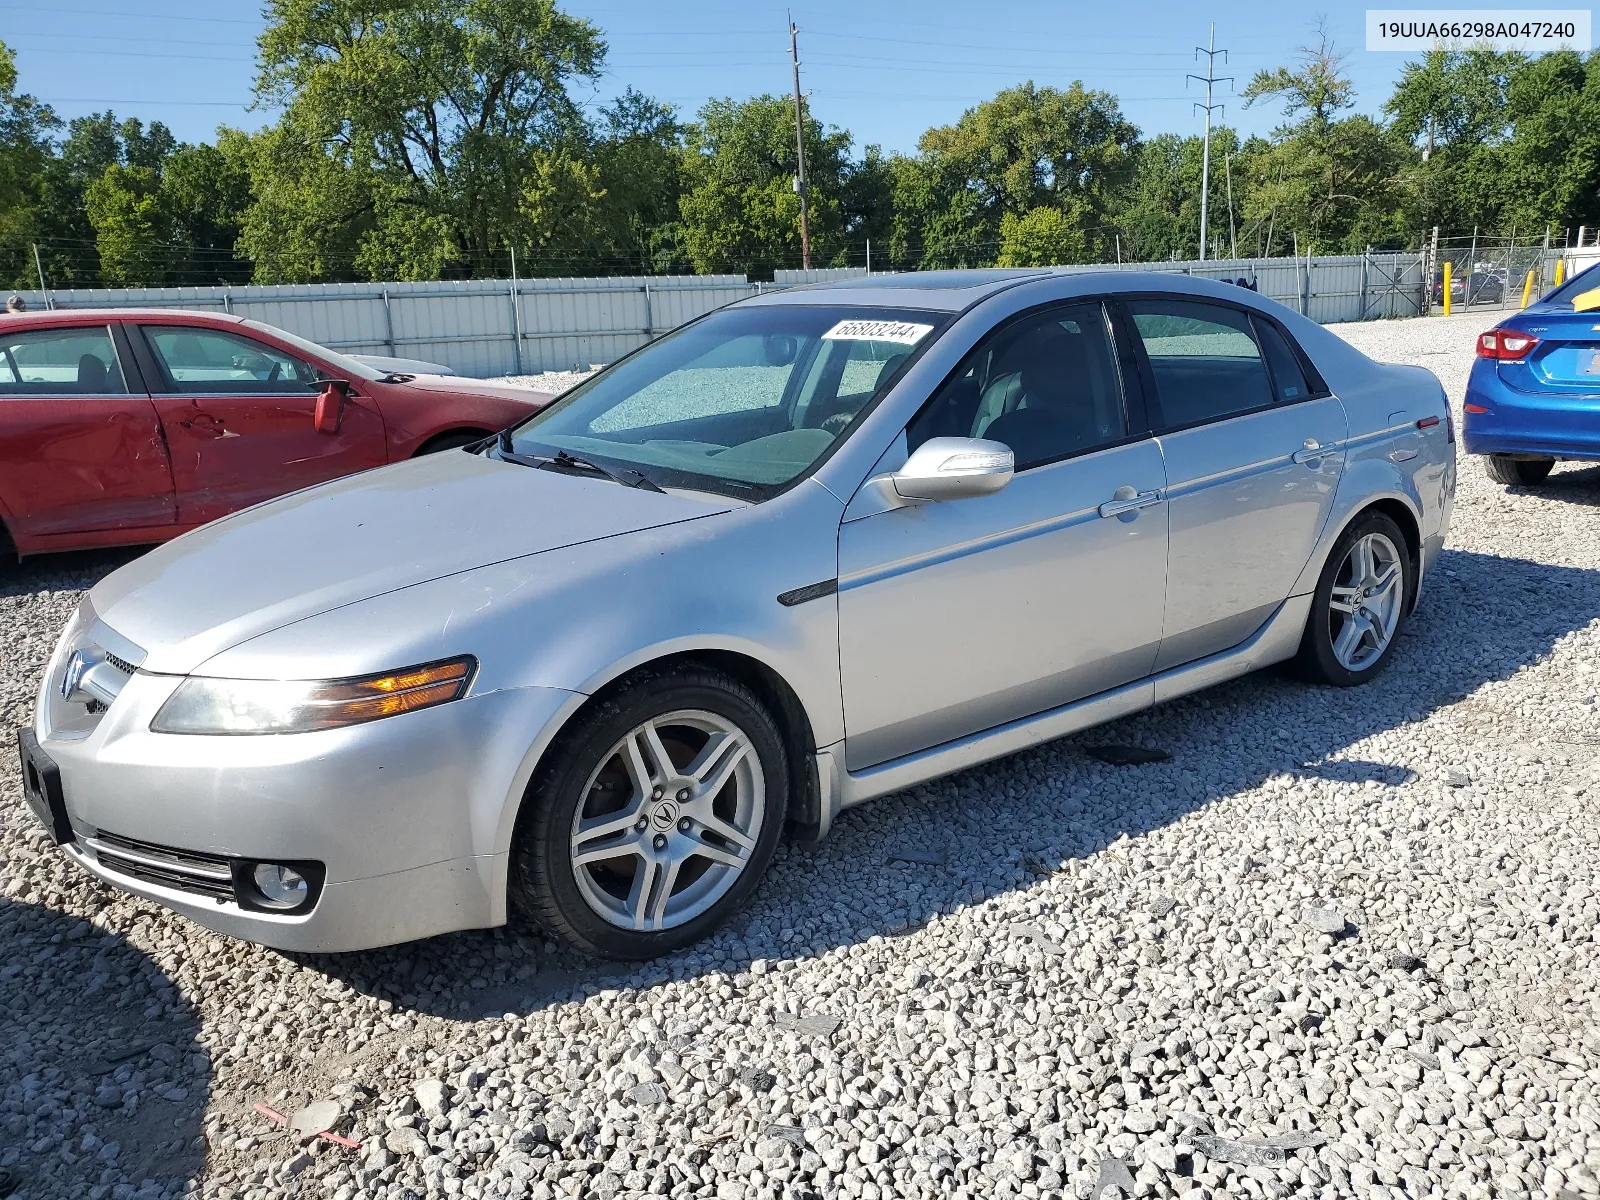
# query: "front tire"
1359,604
1518,472
654,817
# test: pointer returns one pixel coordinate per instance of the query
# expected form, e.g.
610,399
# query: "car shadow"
1571,483
925,852
101,1066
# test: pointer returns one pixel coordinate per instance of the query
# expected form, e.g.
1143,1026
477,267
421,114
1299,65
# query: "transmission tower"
1210,79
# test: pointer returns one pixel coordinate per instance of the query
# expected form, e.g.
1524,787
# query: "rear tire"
625,857
1518,472
1359,605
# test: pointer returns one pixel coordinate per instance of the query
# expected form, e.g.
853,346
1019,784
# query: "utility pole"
800,148
1210,78
1233,236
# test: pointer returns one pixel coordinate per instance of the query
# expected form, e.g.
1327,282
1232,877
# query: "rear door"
80,449
238,419
1253,450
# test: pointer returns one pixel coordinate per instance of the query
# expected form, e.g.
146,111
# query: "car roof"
949,291
80,316
954,291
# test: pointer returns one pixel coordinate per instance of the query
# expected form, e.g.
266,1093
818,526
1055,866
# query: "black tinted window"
1047,386
1288,380
60,362
1205,358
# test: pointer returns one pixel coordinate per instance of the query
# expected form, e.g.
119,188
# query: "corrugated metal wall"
472,325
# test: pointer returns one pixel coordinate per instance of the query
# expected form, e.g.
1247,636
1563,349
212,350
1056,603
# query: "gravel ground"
1342,943
554,382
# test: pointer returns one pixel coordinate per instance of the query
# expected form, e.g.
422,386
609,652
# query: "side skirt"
1274,642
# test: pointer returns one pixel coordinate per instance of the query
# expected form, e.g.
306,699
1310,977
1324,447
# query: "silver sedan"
810,549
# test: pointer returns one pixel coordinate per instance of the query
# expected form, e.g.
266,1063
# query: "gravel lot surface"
554,382
1343,942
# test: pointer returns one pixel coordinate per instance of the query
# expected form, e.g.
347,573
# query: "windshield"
346,365
742,401
1583,281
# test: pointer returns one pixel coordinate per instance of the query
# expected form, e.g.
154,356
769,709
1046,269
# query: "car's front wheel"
1518,472
1359,604
654,817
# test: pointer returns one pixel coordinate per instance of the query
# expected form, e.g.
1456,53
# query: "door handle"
1127,500
1312,451
205,423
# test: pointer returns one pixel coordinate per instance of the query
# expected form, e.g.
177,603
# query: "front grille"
185,870
121,664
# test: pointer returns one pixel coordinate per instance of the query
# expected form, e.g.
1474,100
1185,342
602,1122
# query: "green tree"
1335,184
25,129
1041,237
133,229
94,144
1028,148
410,130
739,210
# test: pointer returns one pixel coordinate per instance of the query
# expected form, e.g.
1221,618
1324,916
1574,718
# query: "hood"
358,537
456,385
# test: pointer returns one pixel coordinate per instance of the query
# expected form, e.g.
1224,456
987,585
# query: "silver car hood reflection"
358,537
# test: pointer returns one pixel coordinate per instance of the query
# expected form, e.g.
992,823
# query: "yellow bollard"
1561,271
1447,287
1527,290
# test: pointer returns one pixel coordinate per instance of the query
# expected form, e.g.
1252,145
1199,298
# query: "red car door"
238,415
80,450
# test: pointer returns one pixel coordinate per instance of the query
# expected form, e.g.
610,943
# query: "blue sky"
886,71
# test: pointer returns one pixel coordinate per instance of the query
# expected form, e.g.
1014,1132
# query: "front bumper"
410,817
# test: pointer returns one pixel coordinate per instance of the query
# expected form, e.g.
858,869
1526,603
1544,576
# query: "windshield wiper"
562,461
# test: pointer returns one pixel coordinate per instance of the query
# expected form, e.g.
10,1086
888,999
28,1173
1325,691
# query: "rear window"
1288,380
61,362
1583,281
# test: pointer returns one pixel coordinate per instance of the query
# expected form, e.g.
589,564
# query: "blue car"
1534,393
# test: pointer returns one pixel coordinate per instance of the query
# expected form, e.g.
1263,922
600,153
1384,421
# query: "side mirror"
330,405
954,468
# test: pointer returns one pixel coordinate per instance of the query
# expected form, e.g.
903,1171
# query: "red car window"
61,362
214,363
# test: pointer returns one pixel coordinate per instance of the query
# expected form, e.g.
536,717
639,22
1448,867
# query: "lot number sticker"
904,332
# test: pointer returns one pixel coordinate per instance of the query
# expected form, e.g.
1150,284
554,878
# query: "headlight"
204,705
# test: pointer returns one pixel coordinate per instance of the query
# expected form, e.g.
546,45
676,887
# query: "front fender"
566,622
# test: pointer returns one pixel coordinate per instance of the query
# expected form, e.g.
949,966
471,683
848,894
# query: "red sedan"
120,427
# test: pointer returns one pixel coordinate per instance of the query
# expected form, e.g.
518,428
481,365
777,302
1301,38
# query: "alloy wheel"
668,821
1364,607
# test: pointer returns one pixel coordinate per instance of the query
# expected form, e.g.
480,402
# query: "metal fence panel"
486,327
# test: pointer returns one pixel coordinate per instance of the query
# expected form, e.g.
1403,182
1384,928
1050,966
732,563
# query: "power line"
1210,78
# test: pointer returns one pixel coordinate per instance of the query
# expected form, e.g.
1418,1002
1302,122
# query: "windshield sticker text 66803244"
906,333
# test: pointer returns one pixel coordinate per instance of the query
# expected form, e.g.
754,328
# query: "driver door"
958,616
238,418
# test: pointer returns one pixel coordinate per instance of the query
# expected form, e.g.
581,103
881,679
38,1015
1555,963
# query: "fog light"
280,886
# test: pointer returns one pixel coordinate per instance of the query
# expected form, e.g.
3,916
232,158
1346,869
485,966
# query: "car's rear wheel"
654,817
1518,472
1359,604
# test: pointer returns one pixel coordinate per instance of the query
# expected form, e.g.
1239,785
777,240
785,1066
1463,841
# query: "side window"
1288,380
1205,359
1046,385
60,362
208,360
